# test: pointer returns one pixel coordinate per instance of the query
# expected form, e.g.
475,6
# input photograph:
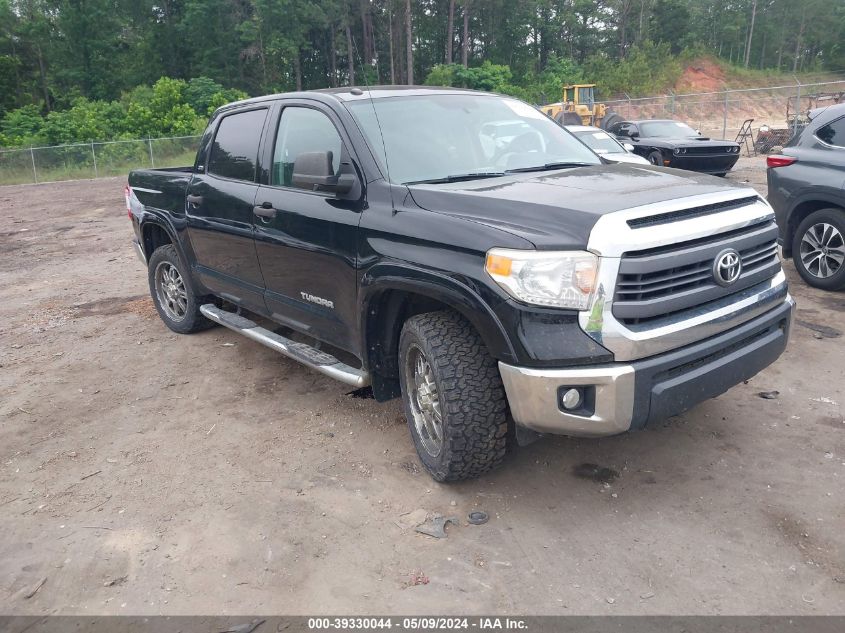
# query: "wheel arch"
800,211
155,234
397,293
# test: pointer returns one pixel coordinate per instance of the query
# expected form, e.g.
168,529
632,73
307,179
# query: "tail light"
779,160
127,193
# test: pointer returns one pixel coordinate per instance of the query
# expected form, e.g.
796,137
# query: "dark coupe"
674,144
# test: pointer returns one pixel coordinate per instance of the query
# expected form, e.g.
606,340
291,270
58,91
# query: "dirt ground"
143,472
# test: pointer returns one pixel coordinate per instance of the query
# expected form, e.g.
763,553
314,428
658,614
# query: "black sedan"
675,144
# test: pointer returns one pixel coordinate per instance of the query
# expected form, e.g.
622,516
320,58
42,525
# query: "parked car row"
806,179
665,143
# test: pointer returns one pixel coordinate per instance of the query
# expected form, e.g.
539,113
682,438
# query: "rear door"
220,204
307,248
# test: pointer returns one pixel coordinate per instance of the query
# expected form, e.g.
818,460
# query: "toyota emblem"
727,267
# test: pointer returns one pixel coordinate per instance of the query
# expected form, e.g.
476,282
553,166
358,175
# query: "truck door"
305,239
219,210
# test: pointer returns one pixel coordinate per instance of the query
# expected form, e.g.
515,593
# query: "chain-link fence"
93,160
762,119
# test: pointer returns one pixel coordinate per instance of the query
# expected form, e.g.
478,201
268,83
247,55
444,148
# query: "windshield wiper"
550,166
458,177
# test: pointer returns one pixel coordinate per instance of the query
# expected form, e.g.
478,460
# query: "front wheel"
655,158
453,397
171,290
818,249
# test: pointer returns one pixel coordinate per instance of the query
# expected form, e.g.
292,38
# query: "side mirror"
313,171
628,146
635,137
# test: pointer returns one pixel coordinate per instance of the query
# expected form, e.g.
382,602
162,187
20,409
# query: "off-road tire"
472,398
655,157
834,217
193,320
610,119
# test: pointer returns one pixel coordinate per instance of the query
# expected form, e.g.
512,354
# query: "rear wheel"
453,397
655,158
818,249
171,290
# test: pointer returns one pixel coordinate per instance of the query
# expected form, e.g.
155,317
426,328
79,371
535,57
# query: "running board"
305,354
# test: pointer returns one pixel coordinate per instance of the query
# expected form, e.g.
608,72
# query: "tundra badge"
318,300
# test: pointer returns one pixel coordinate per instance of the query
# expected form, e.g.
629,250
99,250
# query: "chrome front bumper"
628,394
533,399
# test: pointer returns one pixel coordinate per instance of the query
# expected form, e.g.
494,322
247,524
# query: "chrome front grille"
658,282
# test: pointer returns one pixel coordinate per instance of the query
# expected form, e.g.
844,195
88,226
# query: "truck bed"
162,188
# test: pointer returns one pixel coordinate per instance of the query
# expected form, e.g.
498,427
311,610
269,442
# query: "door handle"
265,210
194,200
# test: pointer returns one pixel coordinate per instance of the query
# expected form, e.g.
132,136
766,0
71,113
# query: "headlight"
561,279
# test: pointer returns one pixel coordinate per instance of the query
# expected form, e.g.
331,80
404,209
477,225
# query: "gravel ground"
143,472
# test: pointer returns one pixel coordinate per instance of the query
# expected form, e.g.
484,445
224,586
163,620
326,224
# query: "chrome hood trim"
612,237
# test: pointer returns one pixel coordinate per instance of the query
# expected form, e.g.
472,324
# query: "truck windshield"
440,136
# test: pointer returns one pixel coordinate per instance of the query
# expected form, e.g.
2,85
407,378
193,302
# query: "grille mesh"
652,285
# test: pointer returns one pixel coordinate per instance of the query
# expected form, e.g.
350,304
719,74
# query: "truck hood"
559,209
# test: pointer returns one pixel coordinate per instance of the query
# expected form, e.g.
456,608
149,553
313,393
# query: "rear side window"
303,130
833,133
235,148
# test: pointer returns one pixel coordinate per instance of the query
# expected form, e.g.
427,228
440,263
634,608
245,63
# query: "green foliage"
487,76
546,86
9,68
22,126
648,69
670,23
160,110
84,121
93,67
200,91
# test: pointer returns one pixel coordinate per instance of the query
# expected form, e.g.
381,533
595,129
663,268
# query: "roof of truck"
355,93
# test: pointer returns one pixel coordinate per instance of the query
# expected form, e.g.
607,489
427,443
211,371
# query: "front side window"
303,130
437,136
833,133
235,148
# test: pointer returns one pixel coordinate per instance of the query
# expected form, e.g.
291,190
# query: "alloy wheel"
171,292
425,401
822,250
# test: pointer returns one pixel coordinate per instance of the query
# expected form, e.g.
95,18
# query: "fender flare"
435,285
162,221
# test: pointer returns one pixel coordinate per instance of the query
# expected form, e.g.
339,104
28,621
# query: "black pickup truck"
504,288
